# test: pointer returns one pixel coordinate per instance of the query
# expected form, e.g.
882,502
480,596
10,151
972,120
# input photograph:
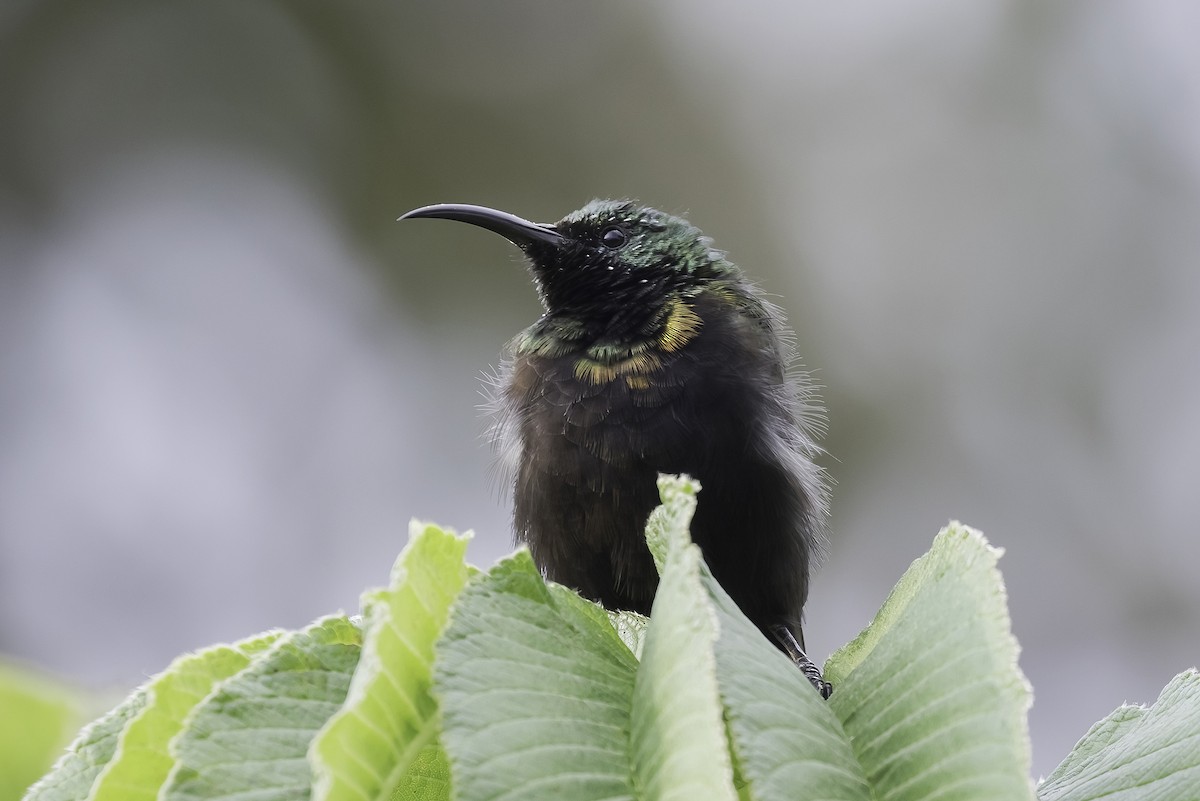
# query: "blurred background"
228,378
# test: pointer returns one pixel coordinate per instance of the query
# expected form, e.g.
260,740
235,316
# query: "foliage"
457,683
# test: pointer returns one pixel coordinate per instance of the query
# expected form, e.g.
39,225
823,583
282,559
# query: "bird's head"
613,269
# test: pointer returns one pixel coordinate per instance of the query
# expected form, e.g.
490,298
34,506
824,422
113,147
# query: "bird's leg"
787,641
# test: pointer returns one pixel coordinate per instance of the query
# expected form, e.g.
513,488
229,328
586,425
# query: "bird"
656,354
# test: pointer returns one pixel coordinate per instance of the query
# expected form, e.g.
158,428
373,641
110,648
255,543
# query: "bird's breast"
591,432
616,413
673,401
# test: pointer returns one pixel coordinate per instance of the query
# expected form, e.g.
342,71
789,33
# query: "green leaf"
787,740
535,687
631,628
74,773
390,717
668,525
141,763
1102,735
930,693
39,715
249,738
1137,754
678,741
427,777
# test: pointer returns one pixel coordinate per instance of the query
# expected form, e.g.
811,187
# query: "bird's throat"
636,361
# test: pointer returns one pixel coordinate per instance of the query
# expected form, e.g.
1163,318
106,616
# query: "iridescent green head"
610,266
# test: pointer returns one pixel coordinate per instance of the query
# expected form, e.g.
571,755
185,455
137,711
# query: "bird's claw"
783,634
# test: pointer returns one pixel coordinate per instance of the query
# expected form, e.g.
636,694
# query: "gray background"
228,378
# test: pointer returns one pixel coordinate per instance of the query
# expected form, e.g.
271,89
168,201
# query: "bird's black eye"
613,237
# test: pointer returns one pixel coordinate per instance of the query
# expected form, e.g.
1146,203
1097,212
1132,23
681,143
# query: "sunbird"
655,354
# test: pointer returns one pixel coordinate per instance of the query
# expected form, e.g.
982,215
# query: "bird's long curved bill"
519,231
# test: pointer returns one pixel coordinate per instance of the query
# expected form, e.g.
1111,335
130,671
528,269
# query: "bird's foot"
787,640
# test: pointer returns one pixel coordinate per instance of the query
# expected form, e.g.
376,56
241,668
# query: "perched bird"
656,355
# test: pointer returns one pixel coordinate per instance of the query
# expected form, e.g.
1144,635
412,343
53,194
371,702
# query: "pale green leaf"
631,628
142,763
668,523
390,715
75,772
249,738
787,739
678,741
1137,754
1101,736
535,688
427,777
930,693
